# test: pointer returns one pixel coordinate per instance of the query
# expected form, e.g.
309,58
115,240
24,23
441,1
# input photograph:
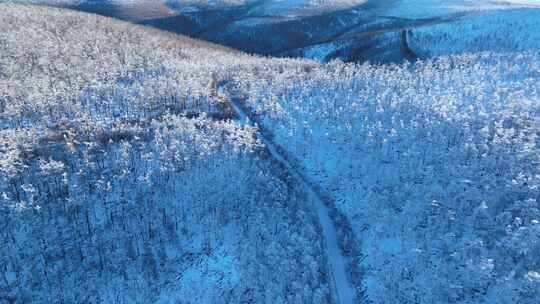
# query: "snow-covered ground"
125,178
436,8
288,28
499,31
344,291
399,8
435,165
271,7
298,8
402,8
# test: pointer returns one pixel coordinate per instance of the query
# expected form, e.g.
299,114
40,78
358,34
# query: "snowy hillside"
435,164
116,187
142,166
349,30
270,7
499,31
433,8
402,8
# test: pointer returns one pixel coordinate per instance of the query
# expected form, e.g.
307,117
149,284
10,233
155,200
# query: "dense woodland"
124,176
503,31
435,164
120,185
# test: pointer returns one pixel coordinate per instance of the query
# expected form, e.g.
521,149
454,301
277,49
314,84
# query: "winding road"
343,291
362,28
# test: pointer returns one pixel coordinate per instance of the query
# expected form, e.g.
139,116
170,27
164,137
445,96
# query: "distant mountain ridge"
349,30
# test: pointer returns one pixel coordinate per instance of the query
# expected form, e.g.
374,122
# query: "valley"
266,152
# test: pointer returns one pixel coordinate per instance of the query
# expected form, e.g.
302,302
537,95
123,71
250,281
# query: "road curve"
343,291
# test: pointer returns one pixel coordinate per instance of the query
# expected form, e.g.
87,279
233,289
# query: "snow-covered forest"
499,31
120,182
435,164
141,166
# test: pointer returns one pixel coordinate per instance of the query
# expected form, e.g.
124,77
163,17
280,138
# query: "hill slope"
123,167
324,30
122,178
